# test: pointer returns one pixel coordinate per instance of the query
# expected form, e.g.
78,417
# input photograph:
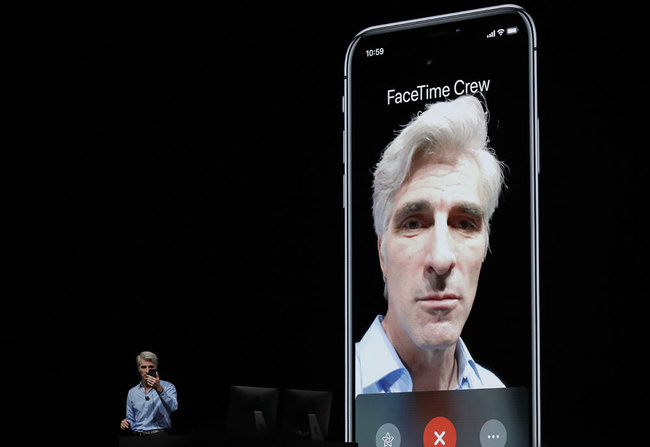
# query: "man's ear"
381,256
382,263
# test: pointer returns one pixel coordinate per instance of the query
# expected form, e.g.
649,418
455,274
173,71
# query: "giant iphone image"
440,188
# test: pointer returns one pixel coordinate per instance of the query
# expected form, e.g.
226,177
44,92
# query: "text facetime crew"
425,93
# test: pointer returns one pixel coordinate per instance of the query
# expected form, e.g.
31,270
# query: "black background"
172,182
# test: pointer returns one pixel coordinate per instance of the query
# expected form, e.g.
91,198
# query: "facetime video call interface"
441,232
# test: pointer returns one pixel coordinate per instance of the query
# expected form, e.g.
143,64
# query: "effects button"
388,436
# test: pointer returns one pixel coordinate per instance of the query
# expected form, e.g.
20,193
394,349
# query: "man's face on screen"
432,252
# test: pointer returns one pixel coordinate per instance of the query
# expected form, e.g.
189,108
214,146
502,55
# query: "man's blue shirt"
151,411
380,370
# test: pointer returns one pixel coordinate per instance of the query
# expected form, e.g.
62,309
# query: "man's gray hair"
444,131
147,355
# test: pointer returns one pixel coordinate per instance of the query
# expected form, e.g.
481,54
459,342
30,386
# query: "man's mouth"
439,301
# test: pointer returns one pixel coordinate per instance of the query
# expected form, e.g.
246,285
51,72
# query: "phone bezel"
534,148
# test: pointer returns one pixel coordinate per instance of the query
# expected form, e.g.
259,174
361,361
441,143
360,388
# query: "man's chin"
438,339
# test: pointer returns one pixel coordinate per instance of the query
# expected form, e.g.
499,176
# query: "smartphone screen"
477,383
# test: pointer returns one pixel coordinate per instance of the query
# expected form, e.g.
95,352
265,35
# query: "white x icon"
439,436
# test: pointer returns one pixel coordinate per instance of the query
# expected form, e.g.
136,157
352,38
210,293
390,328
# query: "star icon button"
388,439
388,435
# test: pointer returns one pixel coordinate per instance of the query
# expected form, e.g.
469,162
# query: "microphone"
146,397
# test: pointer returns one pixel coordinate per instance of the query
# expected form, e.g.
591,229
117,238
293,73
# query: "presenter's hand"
124,425
154,382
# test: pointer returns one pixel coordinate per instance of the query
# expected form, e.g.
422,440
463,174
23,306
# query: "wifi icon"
494,33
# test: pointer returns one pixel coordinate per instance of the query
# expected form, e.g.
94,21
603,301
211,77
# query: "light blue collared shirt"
151,411
380,370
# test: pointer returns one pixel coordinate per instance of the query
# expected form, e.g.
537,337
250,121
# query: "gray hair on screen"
446,130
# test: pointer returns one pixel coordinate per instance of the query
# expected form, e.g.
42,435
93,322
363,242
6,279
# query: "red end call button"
439,432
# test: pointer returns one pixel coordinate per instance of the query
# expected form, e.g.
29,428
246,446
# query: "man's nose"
440,257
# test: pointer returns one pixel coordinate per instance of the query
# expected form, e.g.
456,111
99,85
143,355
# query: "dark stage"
172,179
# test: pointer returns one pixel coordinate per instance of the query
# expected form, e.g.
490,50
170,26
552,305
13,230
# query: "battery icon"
512,30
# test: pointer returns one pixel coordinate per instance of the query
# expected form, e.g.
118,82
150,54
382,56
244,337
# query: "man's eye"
467,225
412,224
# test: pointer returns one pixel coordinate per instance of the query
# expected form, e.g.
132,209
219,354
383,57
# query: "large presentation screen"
441,231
